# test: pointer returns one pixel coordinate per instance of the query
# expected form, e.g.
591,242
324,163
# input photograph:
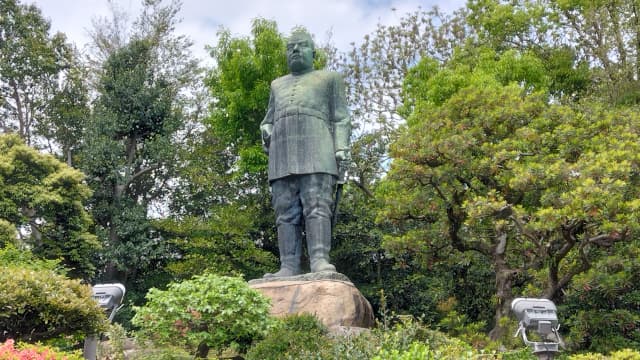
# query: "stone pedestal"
331,297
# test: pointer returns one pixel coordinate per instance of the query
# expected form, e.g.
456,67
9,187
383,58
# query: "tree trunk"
504,278
111,271
503,293
203,351
22,122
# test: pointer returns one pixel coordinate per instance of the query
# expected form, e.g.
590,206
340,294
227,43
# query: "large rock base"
331,297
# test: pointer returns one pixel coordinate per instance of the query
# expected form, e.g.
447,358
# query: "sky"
347,20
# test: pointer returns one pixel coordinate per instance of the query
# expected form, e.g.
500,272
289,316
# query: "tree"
222,244
42,206
606,35
599,35
131,145
487,165
67,115
30,62
241,81
374,71
221,202
130,153
208,311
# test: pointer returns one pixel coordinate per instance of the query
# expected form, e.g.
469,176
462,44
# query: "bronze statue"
306,133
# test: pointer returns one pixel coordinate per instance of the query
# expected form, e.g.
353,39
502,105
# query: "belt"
297,111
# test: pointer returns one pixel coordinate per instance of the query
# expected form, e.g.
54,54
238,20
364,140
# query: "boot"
290,246
319,243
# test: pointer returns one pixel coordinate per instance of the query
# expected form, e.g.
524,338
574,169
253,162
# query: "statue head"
300,52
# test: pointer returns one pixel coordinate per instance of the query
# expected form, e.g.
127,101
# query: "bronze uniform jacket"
310,122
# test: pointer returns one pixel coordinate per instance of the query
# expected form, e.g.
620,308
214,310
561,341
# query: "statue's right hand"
266,130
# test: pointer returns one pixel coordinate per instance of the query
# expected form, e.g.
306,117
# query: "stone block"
334,301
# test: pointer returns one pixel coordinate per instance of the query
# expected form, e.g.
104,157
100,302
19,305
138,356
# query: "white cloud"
348,20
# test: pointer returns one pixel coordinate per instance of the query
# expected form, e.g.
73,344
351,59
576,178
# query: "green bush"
10,255
301,338
625,354
161,353
39,304
417,350
601,306
291,337
208,311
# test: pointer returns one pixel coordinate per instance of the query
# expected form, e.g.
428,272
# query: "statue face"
300,54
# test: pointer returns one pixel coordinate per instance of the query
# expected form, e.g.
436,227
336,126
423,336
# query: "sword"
342,179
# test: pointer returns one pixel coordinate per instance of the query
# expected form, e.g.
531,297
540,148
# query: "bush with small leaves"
292,335
38,303
624,354
208,311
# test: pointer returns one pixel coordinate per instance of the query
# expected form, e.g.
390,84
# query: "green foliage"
291,337
539,189
508,25
419,350
39,304
221,244
212,311
139,98
458,325
602,31
166,352
10,255
241,81
24,351
32,61
44,198
222,202
530,27
131,150
8,234
624,354
601,306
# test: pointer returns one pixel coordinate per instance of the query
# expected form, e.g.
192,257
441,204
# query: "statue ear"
314,53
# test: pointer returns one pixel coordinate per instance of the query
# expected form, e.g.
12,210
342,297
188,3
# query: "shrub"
9,255
601,305
208,311
40,304
33,352
161,353
625,354
292,336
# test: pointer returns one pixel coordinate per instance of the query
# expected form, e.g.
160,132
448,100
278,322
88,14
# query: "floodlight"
540,316
109,297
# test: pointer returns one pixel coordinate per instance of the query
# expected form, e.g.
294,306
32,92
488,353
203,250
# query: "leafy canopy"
486,164
42,207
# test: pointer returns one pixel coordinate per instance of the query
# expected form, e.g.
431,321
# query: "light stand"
109,297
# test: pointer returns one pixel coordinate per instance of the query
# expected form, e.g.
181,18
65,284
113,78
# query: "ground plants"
207,312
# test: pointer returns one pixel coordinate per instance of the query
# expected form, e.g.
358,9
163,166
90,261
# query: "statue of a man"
306,133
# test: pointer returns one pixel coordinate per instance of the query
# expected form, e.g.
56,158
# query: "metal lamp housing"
109,297
536,314
540,316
